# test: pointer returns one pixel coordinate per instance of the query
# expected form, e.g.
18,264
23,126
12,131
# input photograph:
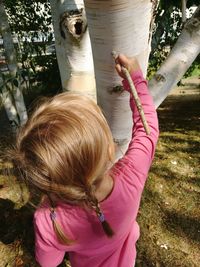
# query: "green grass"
169,213
196,72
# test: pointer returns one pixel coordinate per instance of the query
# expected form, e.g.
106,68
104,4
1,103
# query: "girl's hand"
131,64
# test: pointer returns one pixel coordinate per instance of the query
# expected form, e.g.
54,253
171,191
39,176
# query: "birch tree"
179,60
12,99
126,27
6,99
73,48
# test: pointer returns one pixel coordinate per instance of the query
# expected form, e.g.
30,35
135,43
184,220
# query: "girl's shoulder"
42,213
63,211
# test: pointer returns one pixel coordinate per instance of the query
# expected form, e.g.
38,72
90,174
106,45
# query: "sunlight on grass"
170,214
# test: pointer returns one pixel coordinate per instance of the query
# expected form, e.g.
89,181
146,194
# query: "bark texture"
10,109
73,47
122,26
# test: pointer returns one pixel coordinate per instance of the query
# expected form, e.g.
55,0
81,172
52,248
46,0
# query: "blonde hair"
64,150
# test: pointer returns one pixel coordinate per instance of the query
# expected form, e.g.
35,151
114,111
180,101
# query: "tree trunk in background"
10,109
73,47
12,66
123,26
179,60
183,10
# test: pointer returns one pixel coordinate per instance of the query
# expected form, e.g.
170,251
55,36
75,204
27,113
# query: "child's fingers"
123,60
119,70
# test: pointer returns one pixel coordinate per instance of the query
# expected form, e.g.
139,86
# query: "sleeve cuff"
136,76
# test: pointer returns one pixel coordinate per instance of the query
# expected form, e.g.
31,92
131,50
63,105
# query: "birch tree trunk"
12,66
179,60
123,26
73,47
6,99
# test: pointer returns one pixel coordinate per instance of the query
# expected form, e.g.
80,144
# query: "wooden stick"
135,96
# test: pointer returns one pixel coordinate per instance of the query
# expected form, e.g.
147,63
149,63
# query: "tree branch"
179,60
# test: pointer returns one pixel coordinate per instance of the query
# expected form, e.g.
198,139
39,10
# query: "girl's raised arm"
140,153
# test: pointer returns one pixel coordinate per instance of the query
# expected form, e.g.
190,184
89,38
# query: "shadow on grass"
164,172
184,145
180,127
16,224
183,225
179,112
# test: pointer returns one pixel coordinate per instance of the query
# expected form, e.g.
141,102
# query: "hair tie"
53,215
101,217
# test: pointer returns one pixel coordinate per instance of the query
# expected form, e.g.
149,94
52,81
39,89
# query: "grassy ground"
169,215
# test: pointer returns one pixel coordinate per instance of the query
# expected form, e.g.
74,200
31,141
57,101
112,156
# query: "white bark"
181,57
10,109
73,47
20,105
12,63
123,26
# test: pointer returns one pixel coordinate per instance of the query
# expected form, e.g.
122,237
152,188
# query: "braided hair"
65,147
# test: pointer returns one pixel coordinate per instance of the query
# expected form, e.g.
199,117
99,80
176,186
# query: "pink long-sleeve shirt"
92,247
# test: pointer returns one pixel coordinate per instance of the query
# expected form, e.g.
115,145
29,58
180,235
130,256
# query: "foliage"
31,24
167,29
27,15
164,4
45,82
194,69
168,26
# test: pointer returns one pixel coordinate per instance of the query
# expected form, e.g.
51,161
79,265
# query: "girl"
66,151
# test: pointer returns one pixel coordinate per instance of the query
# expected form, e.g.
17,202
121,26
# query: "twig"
135,96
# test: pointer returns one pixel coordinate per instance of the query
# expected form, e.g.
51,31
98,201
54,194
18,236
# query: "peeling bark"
74,22
73,48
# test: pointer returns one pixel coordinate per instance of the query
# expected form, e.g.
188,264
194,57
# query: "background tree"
73,48
31,26
16,112
184,52
168,26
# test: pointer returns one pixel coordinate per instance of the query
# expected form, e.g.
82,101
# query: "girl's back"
92,247
65,150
